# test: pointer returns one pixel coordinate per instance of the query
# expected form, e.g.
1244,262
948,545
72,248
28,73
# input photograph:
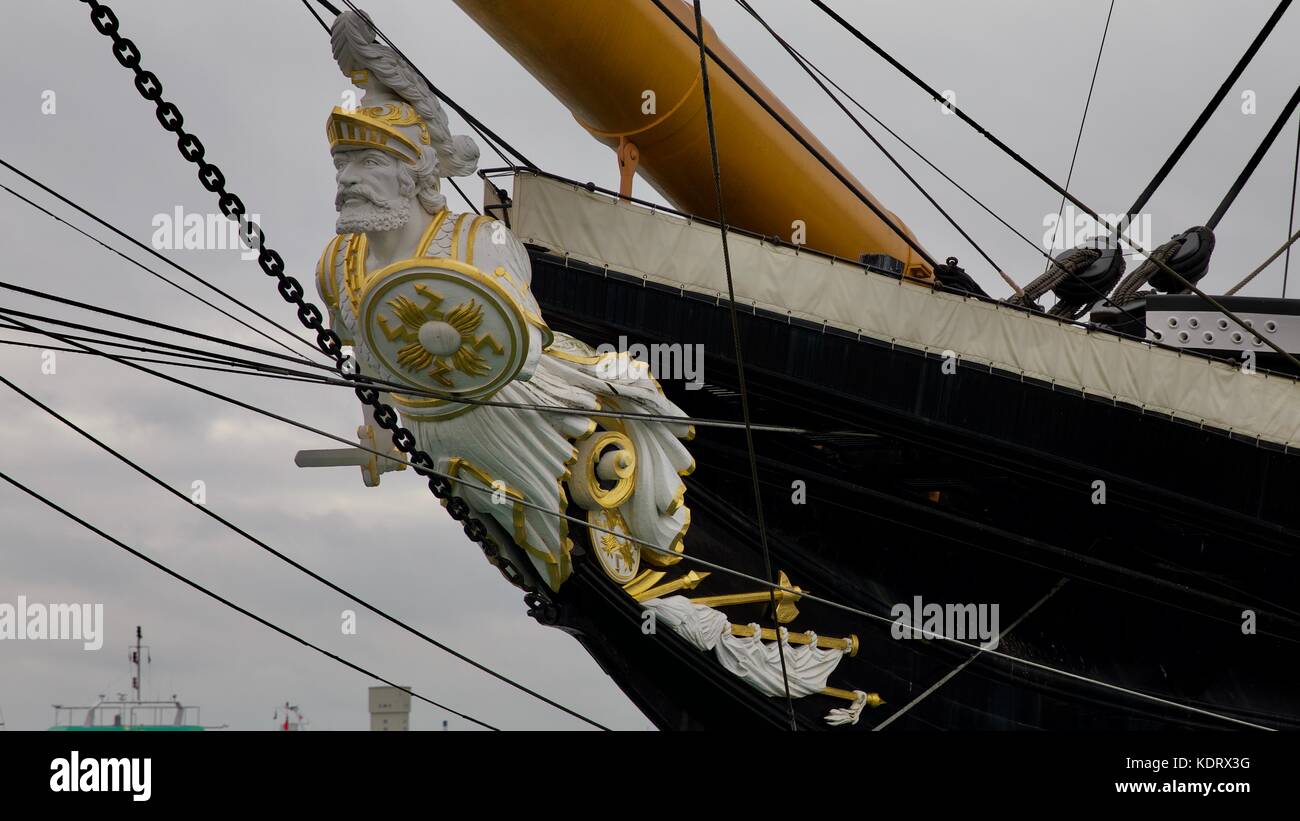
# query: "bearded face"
375,193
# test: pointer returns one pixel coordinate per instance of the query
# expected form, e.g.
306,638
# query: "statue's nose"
347,175
348,184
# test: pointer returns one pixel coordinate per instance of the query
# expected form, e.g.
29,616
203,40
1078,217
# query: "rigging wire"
1240,182
1255,160
1118,230
292,563
152,272
1286,246
227,602
353,380
162,348
858,104
1087,104
467,200
143,247
313,13
197,365
451,180
486,134
310,316
735,338
9,286
1206,113
1100,295
1030,167
1006,278
487,490
1009,537
951,106
900,712
1048,668
6,314
1290,222
798,58
303,360
801,139
192,352
66,338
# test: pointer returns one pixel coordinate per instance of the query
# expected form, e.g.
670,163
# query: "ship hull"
978,489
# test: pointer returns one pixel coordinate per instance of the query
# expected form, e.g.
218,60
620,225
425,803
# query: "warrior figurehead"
392,149
441,304
532,430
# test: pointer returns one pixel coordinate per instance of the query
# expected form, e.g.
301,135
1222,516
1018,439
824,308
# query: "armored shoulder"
486,243
328,272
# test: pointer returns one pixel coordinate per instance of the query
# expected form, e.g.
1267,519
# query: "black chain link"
291,290
457,508
421,463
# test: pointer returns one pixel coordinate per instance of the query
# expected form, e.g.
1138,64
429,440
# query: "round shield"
445,327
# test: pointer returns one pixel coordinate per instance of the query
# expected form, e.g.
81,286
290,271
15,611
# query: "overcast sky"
255,82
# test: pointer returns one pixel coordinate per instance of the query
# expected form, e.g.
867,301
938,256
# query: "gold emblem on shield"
445,328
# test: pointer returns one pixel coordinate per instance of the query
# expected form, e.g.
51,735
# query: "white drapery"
748,657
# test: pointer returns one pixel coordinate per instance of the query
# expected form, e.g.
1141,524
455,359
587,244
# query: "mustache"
363,191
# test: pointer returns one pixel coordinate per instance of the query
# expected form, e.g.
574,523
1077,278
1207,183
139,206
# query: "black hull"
977,487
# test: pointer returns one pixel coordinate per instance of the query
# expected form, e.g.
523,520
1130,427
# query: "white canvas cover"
599,229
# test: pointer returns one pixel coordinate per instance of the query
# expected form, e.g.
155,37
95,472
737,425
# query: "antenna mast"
135,661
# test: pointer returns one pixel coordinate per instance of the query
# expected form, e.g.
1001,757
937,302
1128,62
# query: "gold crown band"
378,128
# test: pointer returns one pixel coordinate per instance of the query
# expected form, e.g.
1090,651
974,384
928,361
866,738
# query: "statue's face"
370,196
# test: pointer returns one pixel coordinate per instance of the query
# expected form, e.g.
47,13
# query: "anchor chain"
291,290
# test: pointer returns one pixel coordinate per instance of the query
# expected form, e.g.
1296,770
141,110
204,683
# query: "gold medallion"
443,326
618,555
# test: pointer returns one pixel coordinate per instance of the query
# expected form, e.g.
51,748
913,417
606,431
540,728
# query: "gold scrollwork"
606,471
557,569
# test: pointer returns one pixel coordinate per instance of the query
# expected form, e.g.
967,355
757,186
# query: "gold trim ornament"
378,127
617,554
605,473
443,326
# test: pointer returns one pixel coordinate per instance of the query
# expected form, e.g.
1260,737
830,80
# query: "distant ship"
123,714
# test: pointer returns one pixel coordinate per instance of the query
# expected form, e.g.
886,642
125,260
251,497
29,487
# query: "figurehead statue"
441,302
399,118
